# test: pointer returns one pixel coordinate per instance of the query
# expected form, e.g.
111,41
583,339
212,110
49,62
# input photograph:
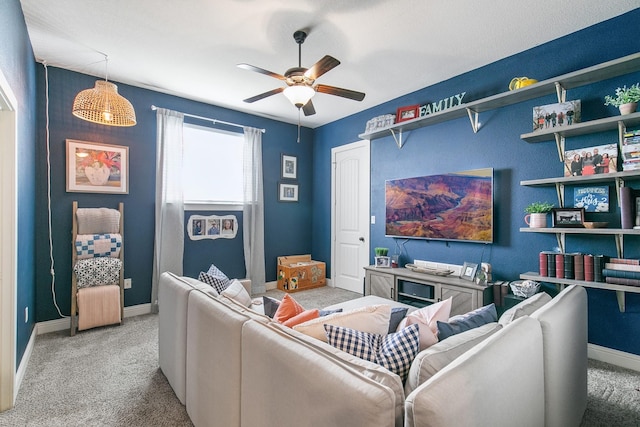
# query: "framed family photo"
287,192
97,168
289,167
469,270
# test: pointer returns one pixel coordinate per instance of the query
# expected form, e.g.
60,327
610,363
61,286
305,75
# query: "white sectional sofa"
232,366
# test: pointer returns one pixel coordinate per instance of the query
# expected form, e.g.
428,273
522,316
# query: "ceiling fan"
301,81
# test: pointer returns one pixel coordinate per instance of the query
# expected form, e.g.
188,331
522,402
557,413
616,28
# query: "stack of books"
631,150
622,271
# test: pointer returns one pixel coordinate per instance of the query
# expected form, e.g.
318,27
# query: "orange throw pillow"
288,308
302,317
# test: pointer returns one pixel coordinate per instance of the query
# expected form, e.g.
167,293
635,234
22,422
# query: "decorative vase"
97,175
628,108
536,220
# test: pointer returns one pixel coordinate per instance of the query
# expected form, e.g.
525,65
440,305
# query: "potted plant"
626,99
537,214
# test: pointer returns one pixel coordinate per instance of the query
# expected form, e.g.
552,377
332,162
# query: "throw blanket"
98,220
98,306
98,245
97,272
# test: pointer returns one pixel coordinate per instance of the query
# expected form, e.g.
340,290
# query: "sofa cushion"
302,317
270,306
464,322
428,362
200,285
394,352
524,308
426,319
237,292
218,283
372,319
323,313
288,308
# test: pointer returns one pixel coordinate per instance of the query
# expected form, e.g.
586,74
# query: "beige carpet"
110,377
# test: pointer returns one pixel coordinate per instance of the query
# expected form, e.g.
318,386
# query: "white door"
8,243
350,191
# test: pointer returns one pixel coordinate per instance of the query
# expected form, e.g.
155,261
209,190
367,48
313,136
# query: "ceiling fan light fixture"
103,105
299,95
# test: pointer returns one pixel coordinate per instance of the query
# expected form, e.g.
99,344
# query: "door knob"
361,239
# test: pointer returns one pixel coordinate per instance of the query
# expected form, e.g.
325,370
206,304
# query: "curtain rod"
153,107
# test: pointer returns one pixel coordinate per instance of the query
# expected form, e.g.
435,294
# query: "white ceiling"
190,48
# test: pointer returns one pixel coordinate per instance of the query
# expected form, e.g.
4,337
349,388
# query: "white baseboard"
22,369
64,323
614,357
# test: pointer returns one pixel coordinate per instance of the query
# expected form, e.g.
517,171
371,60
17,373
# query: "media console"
422,289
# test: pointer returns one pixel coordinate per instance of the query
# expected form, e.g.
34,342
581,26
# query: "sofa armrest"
499,382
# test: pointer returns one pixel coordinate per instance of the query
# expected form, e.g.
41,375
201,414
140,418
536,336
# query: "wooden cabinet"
379,284
421,289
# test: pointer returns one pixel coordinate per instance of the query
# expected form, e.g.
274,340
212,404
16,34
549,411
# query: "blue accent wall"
452,146
18,67
288,225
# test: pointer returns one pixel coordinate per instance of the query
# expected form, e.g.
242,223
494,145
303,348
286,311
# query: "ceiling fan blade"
338,91
308,109
319,68
262,71
263,95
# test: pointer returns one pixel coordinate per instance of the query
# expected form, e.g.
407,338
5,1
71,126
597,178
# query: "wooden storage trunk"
299,272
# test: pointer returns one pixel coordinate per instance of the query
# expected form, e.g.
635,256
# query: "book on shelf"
560,266
623,267
629,261
542,262
551,264
621,273
578,266
588,267
598,265
622,281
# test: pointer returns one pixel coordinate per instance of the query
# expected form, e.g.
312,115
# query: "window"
212,167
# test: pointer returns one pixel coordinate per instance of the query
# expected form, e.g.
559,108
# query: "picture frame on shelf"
556,116
595,160
94,167
409,112
383,261
567,217
289,168
468,271
592,199
287,192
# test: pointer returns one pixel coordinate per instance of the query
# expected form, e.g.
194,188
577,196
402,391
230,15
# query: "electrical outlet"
127,283
26,314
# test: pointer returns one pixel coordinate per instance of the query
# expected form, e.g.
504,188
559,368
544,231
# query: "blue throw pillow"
397,314
473,319
394,352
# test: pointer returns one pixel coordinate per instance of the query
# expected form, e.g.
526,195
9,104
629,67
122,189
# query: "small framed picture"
407,113
287,192
567,217
383,261
289,167
469,271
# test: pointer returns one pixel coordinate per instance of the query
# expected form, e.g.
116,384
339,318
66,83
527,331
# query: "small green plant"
539,207
624,95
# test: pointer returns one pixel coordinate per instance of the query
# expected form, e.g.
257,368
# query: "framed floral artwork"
97,168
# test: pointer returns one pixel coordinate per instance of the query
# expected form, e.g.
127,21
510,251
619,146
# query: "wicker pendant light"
104,105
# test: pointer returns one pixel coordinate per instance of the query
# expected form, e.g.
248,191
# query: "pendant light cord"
298,126
52,263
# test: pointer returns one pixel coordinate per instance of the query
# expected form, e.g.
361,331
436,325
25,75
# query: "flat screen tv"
452,206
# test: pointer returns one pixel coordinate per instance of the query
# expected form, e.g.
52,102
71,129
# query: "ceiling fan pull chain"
298,126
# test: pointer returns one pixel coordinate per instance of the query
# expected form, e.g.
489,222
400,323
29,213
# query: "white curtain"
169,235
253,211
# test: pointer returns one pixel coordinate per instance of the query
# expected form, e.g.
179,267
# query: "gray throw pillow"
270,306
473,319
397,314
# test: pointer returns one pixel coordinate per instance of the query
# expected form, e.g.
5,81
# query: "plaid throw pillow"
218,283
394,352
